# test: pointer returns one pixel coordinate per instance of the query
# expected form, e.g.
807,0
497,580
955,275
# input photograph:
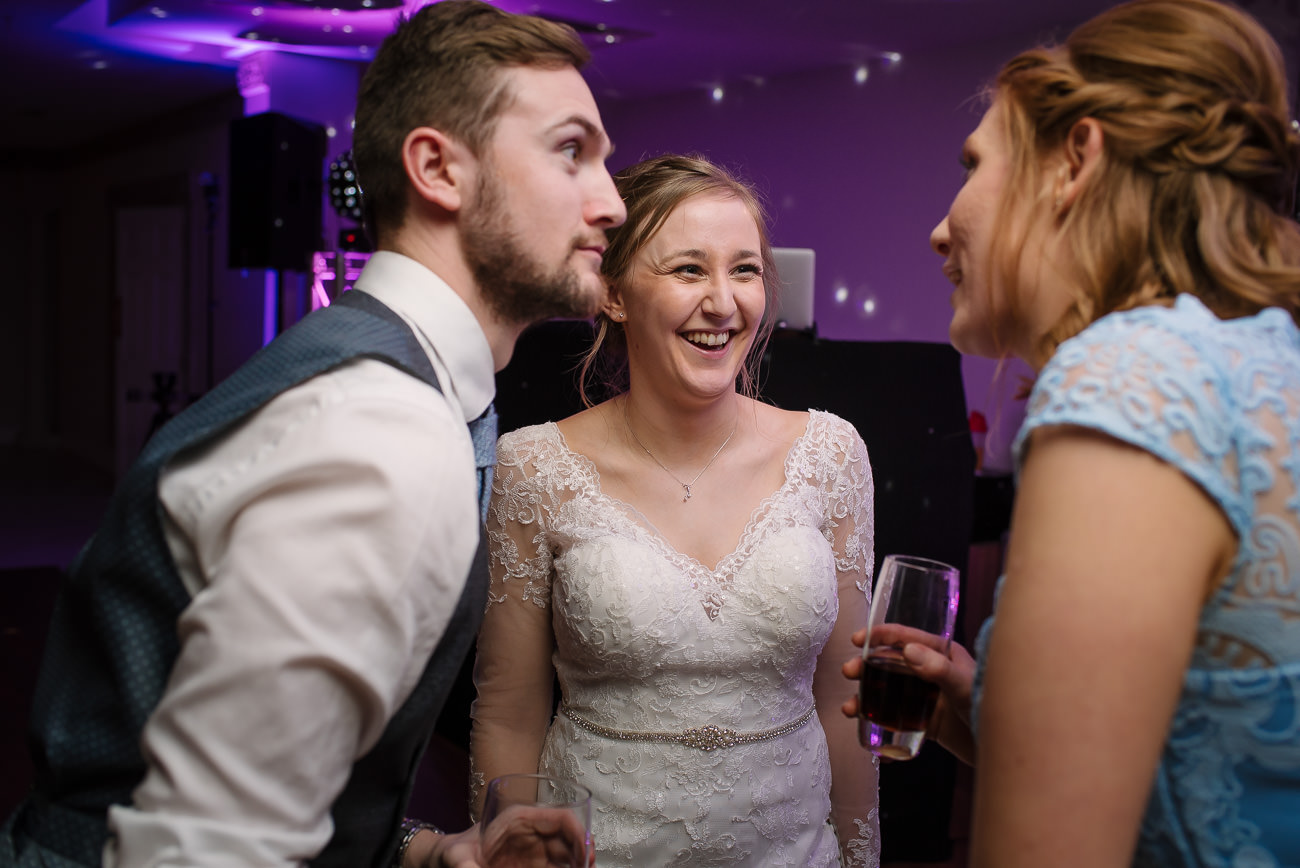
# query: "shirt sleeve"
514,671
327,541
850,528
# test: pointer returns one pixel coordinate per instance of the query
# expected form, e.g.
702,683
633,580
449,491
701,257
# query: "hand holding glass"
535,821
915,600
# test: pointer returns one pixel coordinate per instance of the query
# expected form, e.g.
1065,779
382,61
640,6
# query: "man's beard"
515,286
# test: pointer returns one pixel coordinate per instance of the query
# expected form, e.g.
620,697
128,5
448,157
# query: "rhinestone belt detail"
704,738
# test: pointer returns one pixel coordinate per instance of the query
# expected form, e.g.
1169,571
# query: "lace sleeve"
1145,377
850,527
513,671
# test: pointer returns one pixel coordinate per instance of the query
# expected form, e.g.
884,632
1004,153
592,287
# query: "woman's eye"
688,269
750,270
967,168
571,150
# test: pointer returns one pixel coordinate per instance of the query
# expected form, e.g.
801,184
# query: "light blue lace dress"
1220,400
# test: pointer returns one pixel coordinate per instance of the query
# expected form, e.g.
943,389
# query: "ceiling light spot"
252,34
328,28
347,28
334,11
892,58
158,12
869,306
367,3
841,294
100,64
363,49
258,11
718,94
861,74
610,39
331,132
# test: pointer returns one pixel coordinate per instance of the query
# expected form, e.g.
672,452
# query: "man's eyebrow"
588,127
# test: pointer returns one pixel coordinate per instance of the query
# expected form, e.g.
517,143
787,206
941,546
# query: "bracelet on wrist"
409,829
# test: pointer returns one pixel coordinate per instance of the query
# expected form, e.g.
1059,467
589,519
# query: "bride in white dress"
689,563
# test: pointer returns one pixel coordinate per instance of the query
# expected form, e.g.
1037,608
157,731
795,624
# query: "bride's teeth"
708,339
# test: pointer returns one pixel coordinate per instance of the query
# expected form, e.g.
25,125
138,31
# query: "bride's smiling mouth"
708,340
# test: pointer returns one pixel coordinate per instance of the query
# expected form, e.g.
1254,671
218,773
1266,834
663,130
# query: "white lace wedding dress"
649,641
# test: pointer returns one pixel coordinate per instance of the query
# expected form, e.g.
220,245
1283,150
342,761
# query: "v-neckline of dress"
713,581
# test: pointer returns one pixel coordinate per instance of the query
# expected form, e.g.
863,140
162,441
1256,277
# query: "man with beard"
249,655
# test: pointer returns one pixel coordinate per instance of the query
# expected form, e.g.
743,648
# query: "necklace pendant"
687,496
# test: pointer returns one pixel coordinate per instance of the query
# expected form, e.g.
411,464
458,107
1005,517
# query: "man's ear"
1083,152
438,167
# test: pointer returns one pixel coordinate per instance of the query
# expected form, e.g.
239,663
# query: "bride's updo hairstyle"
1195,188
651,190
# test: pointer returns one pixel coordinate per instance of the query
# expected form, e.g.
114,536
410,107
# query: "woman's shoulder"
829,430
543,432
1178,333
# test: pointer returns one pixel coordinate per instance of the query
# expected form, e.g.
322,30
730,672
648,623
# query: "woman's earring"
621,316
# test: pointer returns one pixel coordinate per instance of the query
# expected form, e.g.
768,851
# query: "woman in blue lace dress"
1125,227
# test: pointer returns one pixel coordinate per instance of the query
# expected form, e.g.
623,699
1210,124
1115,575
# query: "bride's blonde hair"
1195,189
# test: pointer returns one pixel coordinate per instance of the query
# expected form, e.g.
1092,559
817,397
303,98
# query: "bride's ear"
613,306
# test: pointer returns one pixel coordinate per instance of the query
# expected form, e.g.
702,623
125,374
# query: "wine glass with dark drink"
915,600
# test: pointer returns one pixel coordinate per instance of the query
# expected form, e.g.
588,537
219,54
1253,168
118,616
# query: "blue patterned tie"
483,431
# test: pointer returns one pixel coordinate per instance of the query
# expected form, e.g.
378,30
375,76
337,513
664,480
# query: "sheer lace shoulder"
837,463
532,463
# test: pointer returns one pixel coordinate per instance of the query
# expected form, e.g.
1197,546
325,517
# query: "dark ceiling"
77,71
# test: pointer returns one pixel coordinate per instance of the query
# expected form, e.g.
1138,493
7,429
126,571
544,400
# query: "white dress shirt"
325,542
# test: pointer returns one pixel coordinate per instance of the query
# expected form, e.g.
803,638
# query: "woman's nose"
720,301
939,238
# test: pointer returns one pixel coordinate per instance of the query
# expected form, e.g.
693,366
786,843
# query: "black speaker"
277,167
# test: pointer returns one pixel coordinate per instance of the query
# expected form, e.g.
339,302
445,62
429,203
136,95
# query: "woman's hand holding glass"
953,673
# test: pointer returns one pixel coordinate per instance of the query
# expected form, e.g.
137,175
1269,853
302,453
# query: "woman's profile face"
966,237
694,299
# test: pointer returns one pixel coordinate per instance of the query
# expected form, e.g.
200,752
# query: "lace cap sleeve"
520,559
1154,378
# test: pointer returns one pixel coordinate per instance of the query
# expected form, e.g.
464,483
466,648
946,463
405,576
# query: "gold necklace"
686,486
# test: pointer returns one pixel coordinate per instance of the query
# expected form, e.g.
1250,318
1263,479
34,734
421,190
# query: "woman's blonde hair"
1195,188
652,189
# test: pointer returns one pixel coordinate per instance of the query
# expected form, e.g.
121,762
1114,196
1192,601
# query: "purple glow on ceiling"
222,33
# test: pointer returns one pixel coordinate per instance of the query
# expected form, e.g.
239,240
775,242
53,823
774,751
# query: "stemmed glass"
915,601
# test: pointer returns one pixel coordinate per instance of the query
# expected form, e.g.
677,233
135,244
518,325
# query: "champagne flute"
536,821
915,601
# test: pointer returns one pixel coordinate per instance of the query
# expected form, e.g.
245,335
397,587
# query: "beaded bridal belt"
706,738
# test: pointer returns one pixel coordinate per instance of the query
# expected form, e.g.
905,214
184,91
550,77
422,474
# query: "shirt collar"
443,319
